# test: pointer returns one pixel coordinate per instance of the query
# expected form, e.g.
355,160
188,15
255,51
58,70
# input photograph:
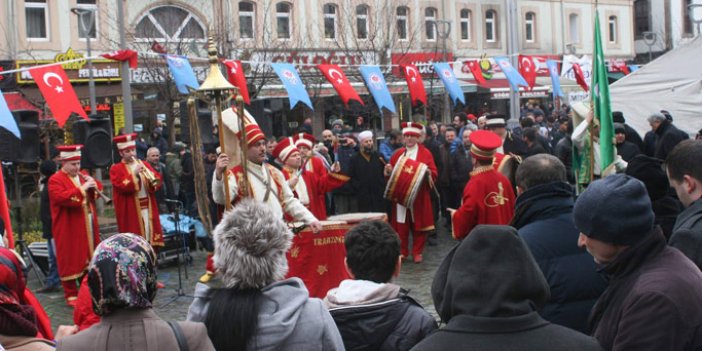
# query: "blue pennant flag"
377,87
7,121
293,84
515,79
555,77
182,73
450,82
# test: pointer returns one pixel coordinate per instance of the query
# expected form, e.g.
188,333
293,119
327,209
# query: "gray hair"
470,126
656,117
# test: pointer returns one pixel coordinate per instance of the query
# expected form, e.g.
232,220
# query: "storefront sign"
158,74
423,60
118,116
523,94
316,57
77,72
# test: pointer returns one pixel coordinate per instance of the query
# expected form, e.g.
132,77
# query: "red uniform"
419,218
487,199
74,227
127,188
316,187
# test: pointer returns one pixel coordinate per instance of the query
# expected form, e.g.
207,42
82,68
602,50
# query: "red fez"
484,144
472,118
412,128
125,142
285,149
69,152
304,139
254,134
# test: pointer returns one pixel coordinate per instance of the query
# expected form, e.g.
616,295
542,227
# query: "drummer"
419,219
310,188
488,197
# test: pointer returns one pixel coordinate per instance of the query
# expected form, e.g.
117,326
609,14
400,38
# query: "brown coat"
24,343
136,330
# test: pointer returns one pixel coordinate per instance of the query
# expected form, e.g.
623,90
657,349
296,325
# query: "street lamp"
695,13
86,19
650,39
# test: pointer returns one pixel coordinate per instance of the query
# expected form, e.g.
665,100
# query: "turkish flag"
474,67
621,67
123,55
527,69
235,75
158,48
339,81
414,84
58,92
580,77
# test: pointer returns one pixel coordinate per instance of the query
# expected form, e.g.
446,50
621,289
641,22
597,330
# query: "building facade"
662,25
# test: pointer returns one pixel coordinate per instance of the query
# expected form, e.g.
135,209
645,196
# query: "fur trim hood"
250,246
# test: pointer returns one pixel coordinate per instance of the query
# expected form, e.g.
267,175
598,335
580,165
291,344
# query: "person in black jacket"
462,164
667,135
564,150
544,218
530,136
52,283
626,149
370,312
488,290
631,135
366,172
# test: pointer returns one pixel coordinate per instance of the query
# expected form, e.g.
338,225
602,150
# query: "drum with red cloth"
318,259
405,181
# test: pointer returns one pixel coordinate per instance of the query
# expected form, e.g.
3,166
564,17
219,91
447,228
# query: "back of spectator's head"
667,115
250,246
650,171
372,251
530,133
540,169
122,274
656,117
685,159
526,122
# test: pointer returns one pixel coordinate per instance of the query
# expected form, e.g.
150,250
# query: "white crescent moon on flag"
339,75
409,69
526,62
48,75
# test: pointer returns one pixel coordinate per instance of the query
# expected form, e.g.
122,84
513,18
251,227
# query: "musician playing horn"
488,197
419,219
75,230
134,185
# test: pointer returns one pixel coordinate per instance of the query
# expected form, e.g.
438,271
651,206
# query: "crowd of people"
552,252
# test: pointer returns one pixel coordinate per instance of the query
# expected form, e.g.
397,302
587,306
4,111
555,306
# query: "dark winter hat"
619,128
618,117
615,210
650,171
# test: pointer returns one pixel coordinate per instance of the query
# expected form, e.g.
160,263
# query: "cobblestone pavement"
415,277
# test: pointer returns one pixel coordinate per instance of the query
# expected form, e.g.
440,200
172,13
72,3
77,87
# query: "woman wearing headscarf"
23,323
122,282
249,306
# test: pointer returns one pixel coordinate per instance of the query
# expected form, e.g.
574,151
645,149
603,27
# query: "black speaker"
25,150
96,137
204,120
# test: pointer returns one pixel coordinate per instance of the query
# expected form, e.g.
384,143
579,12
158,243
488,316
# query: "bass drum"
508,167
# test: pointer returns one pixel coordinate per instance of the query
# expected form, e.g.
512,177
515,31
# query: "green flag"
601,107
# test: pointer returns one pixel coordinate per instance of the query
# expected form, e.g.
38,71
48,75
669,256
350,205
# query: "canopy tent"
672,82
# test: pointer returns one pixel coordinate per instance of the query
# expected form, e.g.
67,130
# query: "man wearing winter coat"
488,290
544,218
667,135
370,312
654,297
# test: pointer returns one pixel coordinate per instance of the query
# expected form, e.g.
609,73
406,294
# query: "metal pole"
126,83
512,49
91,81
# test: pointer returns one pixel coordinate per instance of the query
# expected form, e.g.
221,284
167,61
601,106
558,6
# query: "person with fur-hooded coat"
488,290
249,305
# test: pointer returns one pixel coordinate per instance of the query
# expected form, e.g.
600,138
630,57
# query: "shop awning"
17,102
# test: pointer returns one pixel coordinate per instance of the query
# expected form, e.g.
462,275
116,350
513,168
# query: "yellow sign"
77,72
118,114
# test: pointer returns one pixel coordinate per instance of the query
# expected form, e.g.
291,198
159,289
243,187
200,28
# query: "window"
37,19
362,22
574,27
612,29
282,15
170,24
89,19
246,20
490,26
642,17
329,21
465,25
402,24
687,21
529,21
430,23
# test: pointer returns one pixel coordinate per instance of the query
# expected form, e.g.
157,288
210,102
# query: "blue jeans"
53,278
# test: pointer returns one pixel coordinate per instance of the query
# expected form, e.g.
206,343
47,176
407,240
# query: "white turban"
366,134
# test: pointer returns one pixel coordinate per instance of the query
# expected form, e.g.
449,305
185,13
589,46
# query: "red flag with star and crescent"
580,77
414,84
338,80
235,75
527,68
474,67
130,56
58,92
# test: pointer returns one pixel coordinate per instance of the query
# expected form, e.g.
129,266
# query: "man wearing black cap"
654,298
511,144
627,150
631,134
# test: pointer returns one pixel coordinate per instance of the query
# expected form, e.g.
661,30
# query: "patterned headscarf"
122,274
17,317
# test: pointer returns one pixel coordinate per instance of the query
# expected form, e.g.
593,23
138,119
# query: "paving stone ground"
415,277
